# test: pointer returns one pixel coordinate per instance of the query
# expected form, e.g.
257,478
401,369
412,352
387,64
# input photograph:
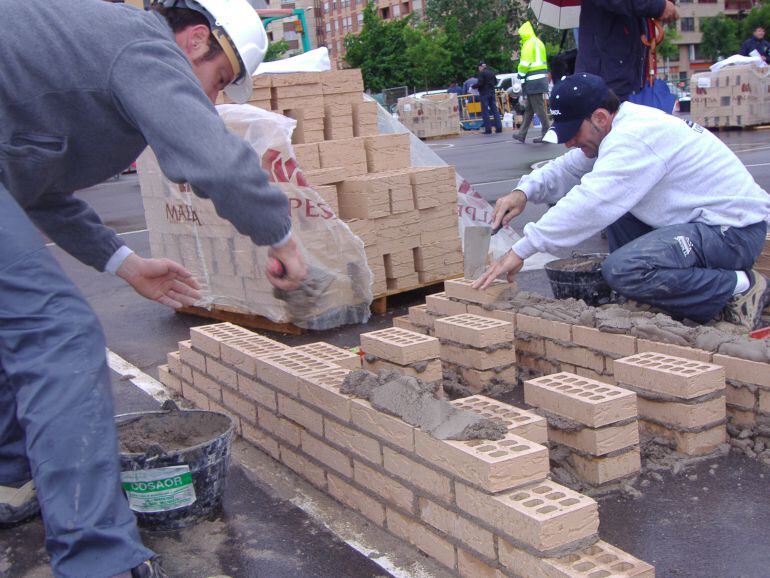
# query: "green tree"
276,50
720,37
427,55
667,48
470,13
378,50
758,16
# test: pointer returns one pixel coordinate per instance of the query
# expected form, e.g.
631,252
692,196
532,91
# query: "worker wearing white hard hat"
122,79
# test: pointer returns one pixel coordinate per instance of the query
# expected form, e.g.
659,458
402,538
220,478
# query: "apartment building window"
687,24
385,13
405,8
360,18
396,10
328,27
334,4
326,6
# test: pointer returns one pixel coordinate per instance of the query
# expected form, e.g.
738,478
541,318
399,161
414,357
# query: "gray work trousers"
56,413
535,106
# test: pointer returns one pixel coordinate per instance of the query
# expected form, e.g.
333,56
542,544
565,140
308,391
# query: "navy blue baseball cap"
575,98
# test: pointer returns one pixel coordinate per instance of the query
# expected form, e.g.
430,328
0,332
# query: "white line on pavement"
758,165
147,384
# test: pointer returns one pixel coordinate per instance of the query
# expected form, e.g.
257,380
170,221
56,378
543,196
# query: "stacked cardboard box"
430,115
732,96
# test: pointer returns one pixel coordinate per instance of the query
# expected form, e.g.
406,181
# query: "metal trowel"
475,249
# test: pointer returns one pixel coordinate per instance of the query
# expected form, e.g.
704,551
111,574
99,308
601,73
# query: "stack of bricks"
595,421
366,178
431,115
680,400
478,351
481,508
407,352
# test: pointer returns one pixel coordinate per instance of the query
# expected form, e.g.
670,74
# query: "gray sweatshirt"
661,169
85,86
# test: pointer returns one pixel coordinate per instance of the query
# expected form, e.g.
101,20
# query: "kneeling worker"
685,219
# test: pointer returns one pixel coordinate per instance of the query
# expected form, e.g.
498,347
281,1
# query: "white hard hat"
240,33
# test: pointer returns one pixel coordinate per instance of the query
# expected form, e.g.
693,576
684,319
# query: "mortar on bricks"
174,464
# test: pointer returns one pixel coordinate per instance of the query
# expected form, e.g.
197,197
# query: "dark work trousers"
56,414
687,270
535,106
489,105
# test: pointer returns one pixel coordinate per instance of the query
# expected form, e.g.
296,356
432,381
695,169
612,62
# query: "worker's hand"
506,208
670,13
509,263
294,269
160,280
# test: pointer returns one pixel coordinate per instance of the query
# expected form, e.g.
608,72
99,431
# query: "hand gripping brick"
581,399
332,353
520,422
207,338
283,370
669,375
544,515
400,346
461,289
492,465
474,330
242,353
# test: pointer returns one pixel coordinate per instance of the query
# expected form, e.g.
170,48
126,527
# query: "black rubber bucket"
174,464
579,277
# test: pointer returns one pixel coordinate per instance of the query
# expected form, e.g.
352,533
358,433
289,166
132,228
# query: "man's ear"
602,117
194,41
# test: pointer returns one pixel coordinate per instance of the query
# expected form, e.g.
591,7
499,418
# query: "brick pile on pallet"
406,216
679,399
431,115
546,347
733,96
480,508
595,422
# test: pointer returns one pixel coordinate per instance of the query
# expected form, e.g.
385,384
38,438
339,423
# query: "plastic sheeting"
230,268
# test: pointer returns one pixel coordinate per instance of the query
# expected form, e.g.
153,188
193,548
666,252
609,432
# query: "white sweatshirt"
661,169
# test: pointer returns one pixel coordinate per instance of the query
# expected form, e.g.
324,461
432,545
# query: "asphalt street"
274,525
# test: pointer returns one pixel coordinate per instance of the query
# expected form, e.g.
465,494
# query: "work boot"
537,140
519,138
18,503
149,569
745,309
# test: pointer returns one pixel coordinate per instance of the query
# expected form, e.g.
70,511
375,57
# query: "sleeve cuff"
117,259
523,248
283,241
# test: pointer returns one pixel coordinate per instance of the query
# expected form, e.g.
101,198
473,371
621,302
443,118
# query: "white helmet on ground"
240,33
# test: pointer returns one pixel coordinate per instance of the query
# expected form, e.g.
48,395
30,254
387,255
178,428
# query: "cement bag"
229,267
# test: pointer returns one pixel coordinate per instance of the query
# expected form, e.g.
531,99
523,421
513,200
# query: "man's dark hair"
180,18
611,102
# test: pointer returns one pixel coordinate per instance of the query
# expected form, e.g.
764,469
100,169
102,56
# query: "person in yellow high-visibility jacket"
533,72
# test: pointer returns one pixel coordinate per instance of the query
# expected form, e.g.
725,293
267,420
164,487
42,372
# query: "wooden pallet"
249,321
380,302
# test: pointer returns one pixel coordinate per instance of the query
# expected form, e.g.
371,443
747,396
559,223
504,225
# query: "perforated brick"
477,358
403,322
584,400
501,314
190,357
379,424
474,330
461,289
488,379
578,356
457,526
419,315
427,479
400,346
599,560
169,379
688,443
332,353
242,353
601,470
427,371
440,304
683,415
598,441
356,499
418,535
322,390
645,345
207,338
543,327
674,376
492,465
744,370
520,422
282,370
607,342
544,515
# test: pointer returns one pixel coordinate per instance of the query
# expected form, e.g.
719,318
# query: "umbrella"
654,92
562,14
